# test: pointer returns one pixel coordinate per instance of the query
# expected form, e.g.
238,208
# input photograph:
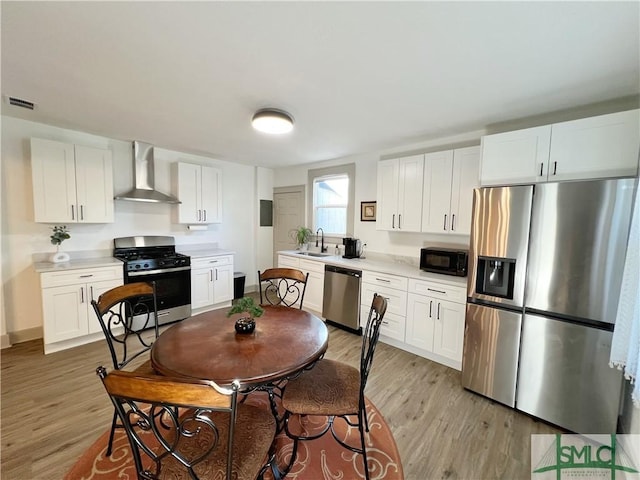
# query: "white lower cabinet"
435,320
314,291
211,281
69,319
394,289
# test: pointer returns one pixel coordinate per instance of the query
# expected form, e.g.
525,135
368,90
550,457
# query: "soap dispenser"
364,245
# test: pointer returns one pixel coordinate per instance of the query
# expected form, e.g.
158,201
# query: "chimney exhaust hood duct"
144,177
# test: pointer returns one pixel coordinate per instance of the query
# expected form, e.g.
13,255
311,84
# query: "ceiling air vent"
18,102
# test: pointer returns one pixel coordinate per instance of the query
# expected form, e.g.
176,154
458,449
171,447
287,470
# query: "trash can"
238,284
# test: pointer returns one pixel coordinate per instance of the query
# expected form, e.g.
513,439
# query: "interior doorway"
288,214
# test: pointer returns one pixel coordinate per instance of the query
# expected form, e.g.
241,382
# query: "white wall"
264,236
396,243
22,237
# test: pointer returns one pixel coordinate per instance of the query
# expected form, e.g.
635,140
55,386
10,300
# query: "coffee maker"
352,247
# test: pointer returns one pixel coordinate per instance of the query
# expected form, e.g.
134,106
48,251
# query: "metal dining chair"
282,286
124,313
194,429
335,390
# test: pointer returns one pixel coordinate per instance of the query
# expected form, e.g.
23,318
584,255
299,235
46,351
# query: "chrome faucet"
322,247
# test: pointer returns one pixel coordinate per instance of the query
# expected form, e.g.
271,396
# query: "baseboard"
4,341
25,335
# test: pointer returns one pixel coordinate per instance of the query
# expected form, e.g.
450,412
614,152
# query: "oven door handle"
160,270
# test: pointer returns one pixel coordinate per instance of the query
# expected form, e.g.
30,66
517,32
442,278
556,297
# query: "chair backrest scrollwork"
282,286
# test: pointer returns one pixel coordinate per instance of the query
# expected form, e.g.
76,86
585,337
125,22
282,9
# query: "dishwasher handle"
342,271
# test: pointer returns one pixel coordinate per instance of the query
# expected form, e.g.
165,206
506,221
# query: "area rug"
319,459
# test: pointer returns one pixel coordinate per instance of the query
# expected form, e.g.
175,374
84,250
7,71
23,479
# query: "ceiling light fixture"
273,121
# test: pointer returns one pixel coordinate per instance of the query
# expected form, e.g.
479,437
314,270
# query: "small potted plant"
303,234
246,324
59,235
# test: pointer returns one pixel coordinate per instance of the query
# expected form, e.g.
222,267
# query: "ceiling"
356,76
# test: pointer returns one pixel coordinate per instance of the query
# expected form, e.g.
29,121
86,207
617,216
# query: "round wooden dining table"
206,346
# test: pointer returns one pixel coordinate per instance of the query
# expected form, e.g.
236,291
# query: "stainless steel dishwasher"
341,303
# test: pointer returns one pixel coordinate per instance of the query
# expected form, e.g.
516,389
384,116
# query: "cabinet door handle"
430,306
541,166
384,322
434,290
444,225
216,274
399,221
453,221
91,290
383,280
211,275
205,215
438,314
81,212
199,215
81,294
393,221
88,275
73,212
555,166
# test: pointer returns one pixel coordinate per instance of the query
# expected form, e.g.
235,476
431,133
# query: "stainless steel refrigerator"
545,268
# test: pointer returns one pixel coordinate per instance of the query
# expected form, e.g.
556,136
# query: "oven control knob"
146,265
161,263
138,266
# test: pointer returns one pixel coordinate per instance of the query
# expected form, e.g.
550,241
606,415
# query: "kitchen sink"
314,254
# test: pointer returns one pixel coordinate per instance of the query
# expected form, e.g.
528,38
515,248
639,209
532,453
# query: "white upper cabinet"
515,157
449,179
200,191
604,146
400,194
594,147
71,183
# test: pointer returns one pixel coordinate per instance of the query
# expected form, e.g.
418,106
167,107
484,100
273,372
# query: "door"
222,283
95,290
211,195
437,192
577,249
94,185
464,178
499,236
420,324
448,329
410,171
490,353
288,214
65,309
602,146
387,206
54,181
520,156
565,377
201,287
189,187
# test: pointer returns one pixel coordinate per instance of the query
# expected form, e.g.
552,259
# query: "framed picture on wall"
367,211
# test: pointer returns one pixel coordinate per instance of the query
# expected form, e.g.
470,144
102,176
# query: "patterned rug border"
384,460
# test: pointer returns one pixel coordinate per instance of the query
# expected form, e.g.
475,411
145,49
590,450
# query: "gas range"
149,253
154,259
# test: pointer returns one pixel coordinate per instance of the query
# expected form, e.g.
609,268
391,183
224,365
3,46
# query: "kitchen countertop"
383,264
202,250
75,264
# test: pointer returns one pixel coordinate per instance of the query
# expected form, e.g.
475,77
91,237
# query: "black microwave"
447,261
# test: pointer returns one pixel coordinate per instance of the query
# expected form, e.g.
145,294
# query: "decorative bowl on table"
245,325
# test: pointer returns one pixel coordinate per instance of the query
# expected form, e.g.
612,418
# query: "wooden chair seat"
253,434
329,388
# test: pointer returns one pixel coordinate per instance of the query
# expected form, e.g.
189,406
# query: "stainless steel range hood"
144,190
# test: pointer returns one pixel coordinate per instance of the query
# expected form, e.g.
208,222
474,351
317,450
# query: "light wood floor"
54,407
